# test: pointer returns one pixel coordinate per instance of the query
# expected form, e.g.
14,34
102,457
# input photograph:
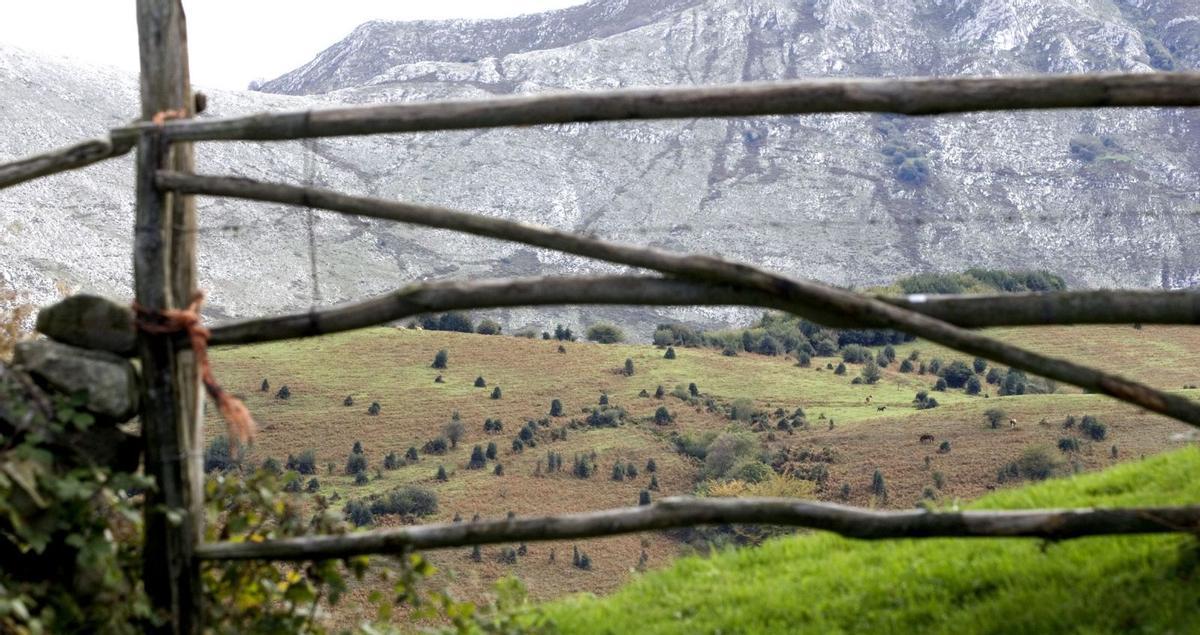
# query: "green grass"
827,584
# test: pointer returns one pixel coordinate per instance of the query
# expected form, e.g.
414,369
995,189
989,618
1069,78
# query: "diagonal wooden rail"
805,296
1087,307
672,513
919,96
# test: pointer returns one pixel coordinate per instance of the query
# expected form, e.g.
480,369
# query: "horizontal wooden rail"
672,513
924,96
64,159
1068,307
809,297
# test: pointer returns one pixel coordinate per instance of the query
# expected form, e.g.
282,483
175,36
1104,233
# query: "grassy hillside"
827,584
392,367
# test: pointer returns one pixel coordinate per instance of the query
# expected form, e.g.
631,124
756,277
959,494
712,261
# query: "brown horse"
926,438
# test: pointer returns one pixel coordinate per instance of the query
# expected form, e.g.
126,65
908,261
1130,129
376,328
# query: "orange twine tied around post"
237,417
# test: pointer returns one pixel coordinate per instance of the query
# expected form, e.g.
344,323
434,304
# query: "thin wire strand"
310,221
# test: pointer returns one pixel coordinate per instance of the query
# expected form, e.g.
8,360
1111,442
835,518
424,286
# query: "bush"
993,375
855,354
628,367
491,451
906,366
693,390
440,359
924,402
451,321
1068,444
605,333
436,446
356,463
973,386
499,470
882,361
360,478
348,401
644,497
284,393
940,385
741,410
606,417
272,466
411,453
357,512
1036,463
583,467
653,483
662,416
480,383
935,365
441,474
840,370
944,448
374,408
956,373
406,500
265,386
477,459
305,464
556,408
488,327
218,456
878,486
727,451
651,466
618,472
391,461
871,372
670,354
995,417
496,394
1093,428
562,334
1014,383
453,430
979,364
313,486
803,360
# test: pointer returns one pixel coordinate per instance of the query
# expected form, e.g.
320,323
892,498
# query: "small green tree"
871,372
803,360
411,453
995,417
878,487
477,459
906,366
662,416
604,399
651,466
628,367
266,385
660,392
499,471
973,386
980,364
693,390
496,394
454,430
490,453
940,385
654,482
441,359
441,473
644,497
374,408
605,333
488,327
841,369
670,354
480,383
556,408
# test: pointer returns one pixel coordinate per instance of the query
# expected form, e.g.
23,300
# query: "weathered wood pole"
165,277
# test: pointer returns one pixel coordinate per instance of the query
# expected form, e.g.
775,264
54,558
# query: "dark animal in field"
881,408
926,438
1012,423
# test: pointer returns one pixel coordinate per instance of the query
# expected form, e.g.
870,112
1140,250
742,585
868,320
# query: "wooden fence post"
164,276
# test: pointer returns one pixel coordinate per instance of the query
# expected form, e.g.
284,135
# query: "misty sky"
231,42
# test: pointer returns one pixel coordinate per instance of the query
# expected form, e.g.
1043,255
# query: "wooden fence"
164,273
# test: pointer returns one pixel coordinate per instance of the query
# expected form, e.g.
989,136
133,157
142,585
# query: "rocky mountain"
1105,198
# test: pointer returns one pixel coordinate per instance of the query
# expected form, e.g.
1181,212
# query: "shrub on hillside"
284,393
628,367
478,461
406,500
973,386
906,366
693,390
440,359
727,451
644,498
670,354
563,334
840,370
265,386
437,445
451,321
411,454
454,430
662,416
391,461
1037,463
741,409
1068,444
606,417
357,512
374,408
993,375
480,383
995,417
488,327
348,401
219,457
651,466
556,408
871,372
361,478
356,463
605,333
878,485
944,448
441,474
924,402
803,360
956,373
305,464
940,384
979,364
1093,428
855,354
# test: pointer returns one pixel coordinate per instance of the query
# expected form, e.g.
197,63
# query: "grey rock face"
1104,197
109,381
91,322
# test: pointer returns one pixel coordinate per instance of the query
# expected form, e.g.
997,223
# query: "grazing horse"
881,408
1012,423
926,438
